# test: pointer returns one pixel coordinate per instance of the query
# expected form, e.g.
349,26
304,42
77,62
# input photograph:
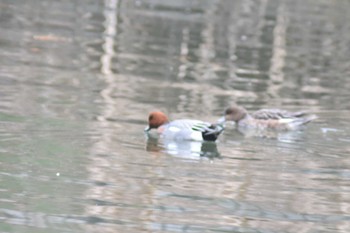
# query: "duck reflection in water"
184,149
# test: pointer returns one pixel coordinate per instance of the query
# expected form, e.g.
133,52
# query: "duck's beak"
222,121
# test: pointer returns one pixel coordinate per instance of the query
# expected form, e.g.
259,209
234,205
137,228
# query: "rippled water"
78,78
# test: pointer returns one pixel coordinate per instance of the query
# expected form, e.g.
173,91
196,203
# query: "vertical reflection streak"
184,53
110,24
207,48
278,53
97,169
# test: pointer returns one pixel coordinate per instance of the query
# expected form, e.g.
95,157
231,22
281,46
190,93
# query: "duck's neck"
243,116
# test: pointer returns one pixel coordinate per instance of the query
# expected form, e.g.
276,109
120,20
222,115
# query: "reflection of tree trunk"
278,53
103,126
110,25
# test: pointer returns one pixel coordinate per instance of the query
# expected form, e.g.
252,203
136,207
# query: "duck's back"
266,114
184,129
276,119
187,129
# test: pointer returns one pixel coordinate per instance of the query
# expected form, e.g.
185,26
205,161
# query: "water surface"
78,78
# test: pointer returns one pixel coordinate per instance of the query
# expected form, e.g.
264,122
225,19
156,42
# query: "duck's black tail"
212,132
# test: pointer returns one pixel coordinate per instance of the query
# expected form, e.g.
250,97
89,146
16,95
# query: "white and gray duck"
183,129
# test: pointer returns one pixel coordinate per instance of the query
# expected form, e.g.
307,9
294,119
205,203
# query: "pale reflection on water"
78,79
184,149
